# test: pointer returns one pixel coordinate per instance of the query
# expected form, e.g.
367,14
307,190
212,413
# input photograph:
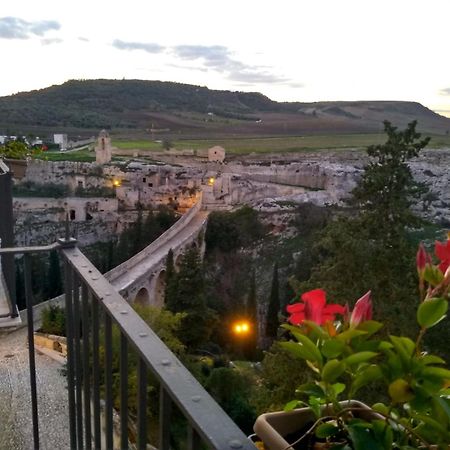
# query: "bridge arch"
142,297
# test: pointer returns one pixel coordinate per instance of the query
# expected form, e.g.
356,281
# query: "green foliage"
141,233
16,150
53,282
273,309
101,191
234,401
53,320
187,294
346,357
387,187
228,231
31,189
166,325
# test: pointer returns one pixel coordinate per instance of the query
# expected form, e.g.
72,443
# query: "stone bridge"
141,278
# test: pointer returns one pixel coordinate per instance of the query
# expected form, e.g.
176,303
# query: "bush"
54,320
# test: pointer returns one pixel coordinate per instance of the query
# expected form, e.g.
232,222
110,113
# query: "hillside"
82,106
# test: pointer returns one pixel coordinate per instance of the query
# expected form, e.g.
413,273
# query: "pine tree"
387,187
274,306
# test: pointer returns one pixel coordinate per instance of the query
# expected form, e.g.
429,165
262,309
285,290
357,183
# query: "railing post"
7,234
30,325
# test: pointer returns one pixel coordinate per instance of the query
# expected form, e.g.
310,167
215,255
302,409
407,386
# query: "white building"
62,140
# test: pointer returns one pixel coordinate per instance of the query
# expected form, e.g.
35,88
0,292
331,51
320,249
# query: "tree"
53,285
387,187
274,306
372,249
190,299
170,290
251,313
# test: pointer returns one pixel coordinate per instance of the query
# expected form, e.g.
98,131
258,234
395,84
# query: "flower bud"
362,310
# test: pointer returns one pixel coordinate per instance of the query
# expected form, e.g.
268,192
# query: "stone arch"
142,297
160,287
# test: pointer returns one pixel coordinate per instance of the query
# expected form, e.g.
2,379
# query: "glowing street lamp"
116,183
241,328
211,181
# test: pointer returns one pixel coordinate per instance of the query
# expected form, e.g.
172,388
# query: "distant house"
61,140
216,154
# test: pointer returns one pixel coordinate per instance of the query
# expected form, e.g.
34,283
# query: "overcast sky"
290,50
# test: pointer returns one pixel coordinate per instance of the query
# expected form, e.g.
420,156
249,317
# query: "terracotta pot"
18,167
272,427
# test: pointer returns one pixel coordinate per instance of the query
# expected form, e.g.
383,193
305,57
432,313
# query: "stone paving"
16,432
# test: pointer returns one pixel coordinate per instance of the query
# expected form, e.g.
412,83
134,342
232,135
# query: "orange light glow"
211,181
116,183
241,327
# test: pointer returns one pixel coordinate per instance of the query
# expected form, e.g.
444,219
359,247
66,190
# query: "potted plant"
345,354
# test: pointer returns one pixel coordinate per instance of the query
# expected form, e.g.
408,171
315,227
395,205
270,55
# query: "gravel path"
16,432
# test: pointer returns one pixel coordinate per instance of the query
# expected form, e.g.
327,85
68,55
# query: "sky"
290,50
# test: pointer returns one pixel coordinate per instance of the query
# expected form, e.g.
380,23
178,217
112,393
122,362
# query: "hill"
84,106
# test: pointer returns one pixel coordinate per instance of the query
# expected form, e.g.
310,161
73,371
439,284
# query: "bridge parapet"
119,270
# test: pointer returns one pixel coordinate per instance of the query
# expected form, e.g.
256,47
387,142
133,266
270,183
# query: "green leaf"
338,388
363,438
291,405
432,275
431,311
366,376
326,430
311,389
404,348
332,370
381,408
317,329
431,359
296,349
309,347
369,326
348,335
332,348
360,357
438,372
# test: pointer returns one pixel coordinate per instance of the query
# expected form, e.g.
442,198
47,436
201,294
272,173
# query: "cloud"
212,57
16,28
219,58
49,41
83,39
445,91
148,47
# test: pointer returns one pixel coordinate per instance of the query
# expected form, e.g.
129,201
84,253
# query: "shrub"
54,320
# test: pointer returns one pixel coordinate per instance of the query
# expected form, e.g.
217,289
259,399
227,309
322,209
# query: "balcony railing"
93,309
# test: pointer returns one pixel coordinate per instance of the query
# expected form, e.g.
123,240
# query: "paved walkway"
16,431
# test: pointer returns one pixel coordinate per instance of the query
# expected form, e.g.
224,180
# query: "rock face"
268,182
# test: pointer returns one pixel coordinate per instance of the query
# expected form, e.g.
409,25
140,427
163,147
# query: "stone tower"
103,148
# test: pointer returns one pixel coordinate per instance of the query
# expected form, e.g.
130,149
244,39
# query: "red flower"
314,308
362,310
442,251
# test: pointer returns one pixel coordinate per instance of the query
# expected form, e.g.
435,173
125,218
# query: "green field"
242,146
81,156
276,144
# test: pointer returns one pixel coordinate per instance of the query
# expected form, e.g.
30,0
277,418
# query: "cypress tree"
272,322
53,285
190,299
251,313
170,291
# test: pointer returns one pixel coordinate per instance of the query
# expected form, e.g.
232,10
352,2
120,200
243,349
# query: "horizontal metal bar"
208,419
35,249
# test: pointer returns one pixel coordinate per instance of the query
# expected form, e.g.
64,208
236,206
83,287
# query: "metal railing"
93,309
